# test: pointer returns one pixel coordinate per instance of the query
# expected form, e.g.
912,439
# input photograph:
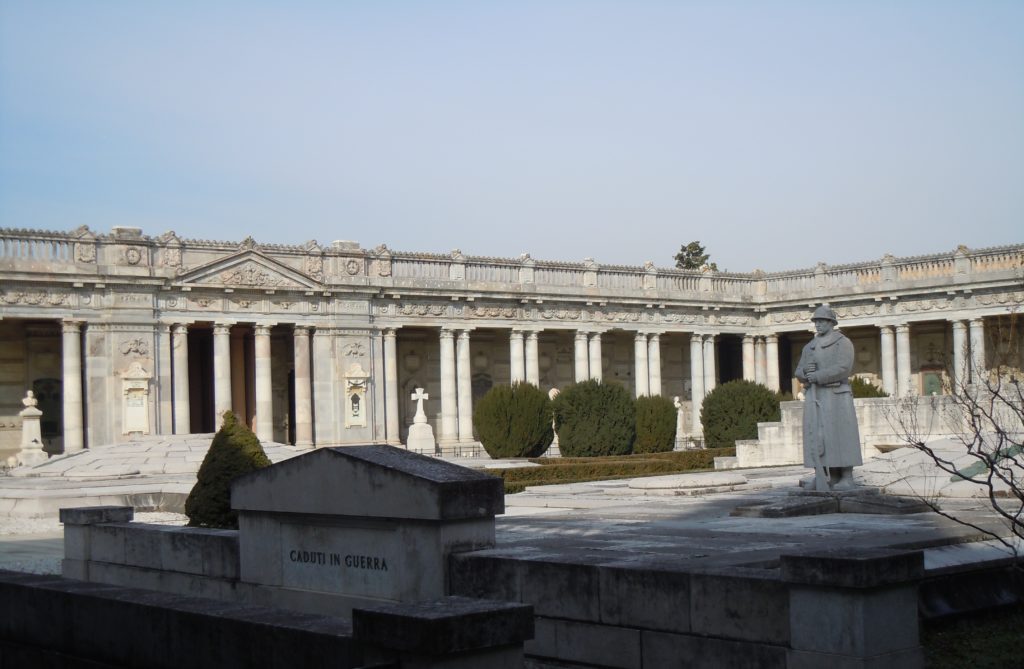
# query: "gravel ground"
36,546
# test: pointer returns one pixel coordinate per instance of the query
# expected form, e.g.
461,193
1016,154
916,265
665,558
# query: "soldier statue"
831,437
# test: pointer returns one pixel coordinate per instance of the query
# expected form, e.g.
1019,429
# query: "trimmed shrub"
864,388
594,419
732,411
655,424
235,451
514,421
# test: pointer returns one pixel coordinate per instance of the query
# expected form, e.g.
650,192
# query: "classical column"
221,371
238,390
640,371
449,396
74,435
465,384
654,363
165,384
960,355
532,359
581,362
760,362
888,360
303,389
391,425
696,380
710,370
517,356
903,360
749,363
978,368
595,357
179,363
771,354
264,388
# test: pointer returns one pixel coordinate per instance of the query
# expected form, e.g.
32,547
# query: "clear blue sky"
777,133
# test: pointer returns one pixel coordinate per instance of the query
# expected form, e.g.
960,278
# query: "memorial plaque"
353,561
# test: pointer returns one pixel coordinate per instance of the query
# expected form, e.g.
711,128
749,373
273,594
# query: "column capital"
655,336
532,334
771,338
977,321
301,330
72,326
748,338
582,334
903,328
886,328
959,324
261,330
516,333
179,328
390,333
464,335
446,333
640,337
221,328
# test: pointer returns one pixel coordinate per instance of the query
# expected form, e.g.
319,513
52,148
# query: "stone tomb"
362,523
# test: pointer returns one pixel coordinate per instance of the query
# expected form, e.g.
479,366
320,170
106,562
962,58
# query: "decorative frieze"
35,297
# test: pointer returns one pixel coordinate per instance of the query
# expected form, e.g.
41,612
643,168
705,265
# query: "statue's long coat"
829,416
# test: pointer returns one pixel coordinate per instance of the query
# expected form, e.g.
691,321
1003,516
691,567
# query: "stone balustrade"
344,263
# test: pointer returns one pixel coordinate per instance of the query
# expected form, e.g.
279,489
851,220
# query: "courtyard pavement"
680,520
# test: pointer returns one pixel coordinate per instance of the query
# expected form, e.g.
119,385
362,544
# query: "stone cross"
420,417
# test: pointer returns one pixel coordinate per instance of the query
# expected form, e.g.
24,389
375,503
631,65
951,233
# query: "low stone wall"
781,443
47,621
822,609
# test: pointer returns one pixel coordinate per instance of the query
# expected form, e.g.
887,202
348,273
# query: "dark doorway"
200,380
730,358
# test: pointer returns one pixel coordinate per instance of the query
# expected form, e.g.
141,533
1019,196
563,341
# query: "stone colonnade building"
123,334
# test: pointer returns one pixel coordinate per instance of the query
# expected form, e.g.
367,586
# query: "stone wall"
781,443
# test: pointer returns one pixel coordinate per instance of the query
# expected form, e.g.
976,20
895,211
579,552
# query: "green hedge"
655,424
235,451
594,419
514,421
732,411
577,470
862,388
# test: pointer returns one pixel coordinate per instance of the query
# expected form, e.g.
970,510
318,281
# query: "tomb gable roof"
370,481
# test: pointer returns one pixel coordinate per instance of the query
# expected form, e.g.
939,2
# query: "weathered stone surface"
657,599
747,604
92,515
586,643
418,486
853,568
789,507
698,652
447,625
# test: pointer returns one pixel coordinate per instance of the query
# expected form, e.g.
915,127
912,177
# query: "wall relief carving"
34,297
137,346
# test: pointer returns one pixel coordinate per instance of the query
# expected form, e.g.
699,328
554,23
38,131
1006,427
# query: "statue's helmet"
825,313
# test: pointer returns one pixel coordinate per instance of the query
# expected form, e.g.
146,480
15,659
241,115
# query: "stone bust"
831,437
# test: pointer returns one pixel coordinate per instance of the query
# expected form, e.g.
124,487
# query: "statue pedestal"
31,452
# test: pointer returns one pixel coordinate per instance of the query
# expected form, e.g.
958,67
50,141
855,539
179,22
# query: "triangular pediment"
248,269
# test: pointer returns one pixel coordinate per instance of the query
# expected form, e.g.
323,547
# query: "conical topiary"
235,451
